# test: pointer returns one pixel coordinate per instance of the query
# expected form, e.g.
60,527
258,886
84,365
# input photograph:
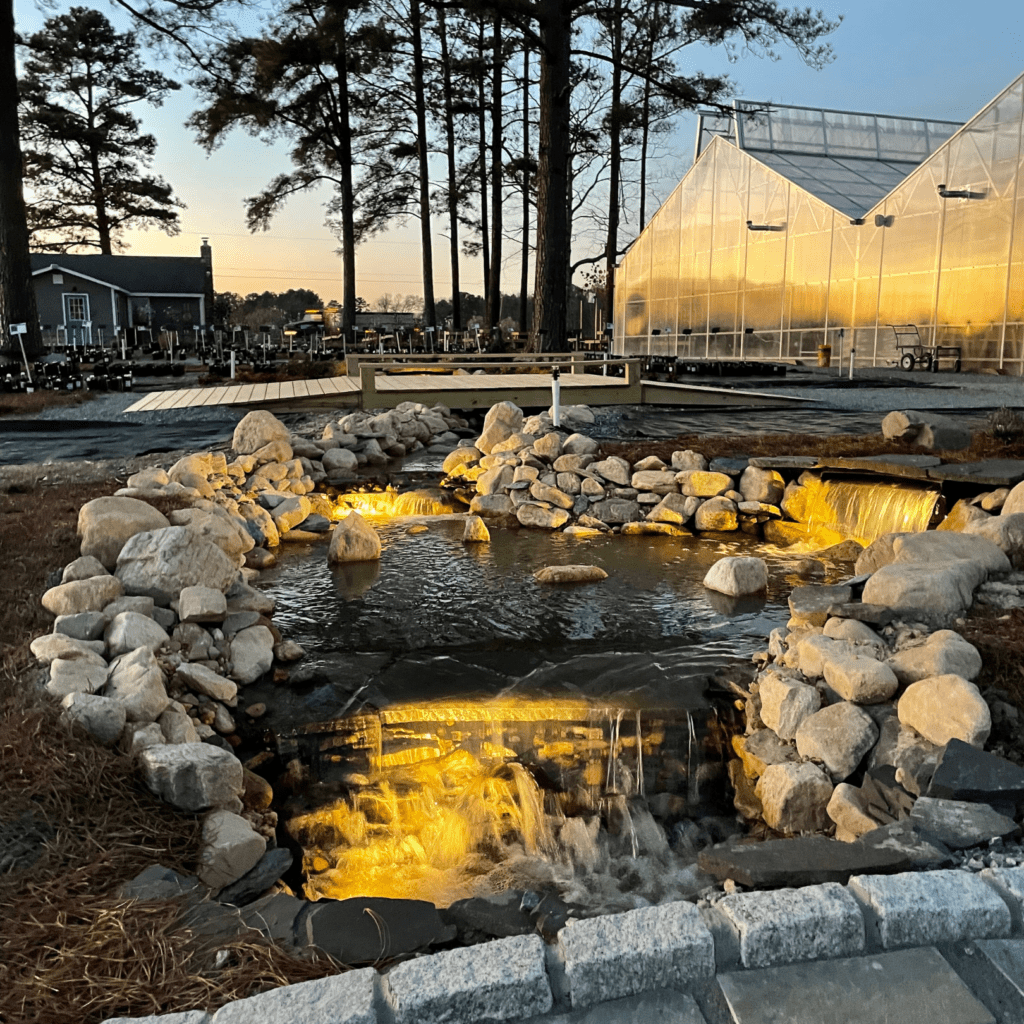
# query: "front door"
77,321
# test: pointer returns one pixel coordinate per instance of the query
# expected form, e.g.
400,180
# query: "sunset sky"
909,57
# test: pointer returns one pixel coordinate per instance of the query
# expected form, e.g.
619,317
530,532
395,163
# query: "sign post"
19,331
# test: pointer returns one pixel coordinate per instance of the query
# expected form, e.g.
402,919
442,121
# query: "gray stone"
958,824
255,882
839,736
83,568
854,630
193,776
160,563
716,514
928,429
491,505
660,1006
919,909
849,809
780,927
860,679
915,986
966,773
580,444
914,760
1009,883
142,605
106,523
128,631
1006,531
946,707
878,553
136,682
500,980
230,848
759,484
90,595
252,653
737,576
201,604
101,717
794,796
811,604
943,653
786,702
495,480
944,546
176,725
339,999
275,916
617,955
75,676
541,518
186,1017
50,646
613,469
545,493
616,510
1003,963
83,626
256,429
658,481
702,483
503,419
761,749
673,508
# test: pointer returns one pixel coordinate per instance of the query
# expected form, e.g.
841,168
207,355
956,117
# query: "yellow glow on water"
391,504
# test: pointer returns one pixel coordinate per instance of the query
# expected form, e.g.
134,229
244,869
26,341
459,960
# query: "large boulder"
129,631
257,429
550,495
89,595
926,428
794,797
675,509
947,707
570,574
137,684
220,528
230,848
703,483
503,419
201,604
464,456
491,506
51,646
101,717
859,679
202,680
716,514
252,653
541,518
878,553
495,480
839,736
1006,531
161,563
657,481
104,524
353,540
737,576
785,703
946,546
764,485
83,568
193,776
614,469
935,592
943,653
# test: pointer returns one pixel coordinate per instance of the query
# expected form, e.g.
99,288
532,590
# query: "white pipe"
232,364
853,352
556,398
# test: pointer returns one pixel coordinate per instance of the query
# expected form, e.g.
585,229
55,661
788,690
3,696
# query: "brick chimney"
206,255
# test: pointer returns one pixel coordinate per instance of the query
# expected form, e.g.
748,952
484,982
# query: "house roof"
137,275
848,159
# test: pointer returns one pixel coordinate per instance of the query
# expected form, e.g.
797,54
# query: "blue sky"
928,59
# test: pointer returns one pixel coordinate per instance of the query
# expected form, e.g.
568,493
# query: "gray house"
84,297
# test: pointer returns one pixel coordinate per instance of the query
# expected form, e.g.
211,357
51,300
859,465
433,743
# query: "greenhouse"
798,228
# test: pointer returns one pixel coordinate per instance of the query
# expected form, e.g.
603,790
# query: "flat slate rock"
966,773
811,860
367,928
275,917
873,614
662,1006
990,472
731,466
785,461
254,883
912,986
159,883
907,467
1007,957
499,916
959,824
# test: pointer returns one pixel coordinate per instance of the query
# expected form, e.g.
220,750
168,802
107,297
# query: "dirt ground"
75,820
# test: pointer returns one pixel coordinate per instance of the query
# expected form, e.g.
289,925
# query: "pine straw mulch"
23,404
73,952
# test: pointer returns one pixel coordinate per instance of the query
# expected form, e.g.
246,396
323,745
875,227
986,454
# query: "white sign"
18,329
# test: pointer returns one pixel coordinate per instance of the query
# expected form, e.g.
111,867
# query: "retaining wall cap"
914,909
621,955
786,925
501,980
338,999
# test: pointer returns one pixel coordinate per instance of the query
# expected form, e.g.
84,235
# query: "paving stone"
662,1006
339,998
918,909
188,1017
620,955
914,986
966,773
275,916
787,925
1007,957
960,824
501,980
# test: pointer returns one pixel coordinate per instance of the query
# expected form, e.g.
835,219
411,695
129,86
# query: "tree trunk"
482,122
348,205
553,240
615,144
426,238
645,117
17,293
497,226
524,276
453,198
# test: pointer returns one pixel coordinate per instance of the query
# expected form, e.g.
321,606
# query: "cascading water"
861,510
391,503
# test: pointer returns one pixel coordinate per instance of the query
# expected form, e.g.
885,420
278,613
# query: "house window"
58,278
77,308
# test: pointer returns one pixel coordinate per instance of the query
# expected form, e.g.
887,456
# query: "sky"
935,59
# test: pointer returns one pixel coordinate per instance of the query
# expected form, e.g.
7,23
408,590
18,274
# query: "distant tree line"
524,127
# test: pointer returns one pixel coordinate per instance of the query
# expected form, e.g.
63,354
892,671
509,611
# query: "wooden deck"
374,389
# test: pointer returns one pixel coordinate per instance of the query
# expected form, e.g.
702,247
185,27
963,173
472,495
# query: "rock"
202,680
810,605
353,540
516,443
946,707
849,810
219,527
230,848
252,653
176,725
964,772
75,676
943,653
105,524
845,551
50,646
137,738
812,652
258,879
343,459
461,457
616,510
193,776
491,506
853,630
83,568
289,651
702,484
161,563
495,480
368,929
613,469
101,717
764,485
261,527
257,429
83,626
794,797
541,518
1006,531
289,513
761,749
260,558
475,531
653,530
738,576
934,546
716,514
962,515
570,574
914,761
552,495
580,444
958,824
149,478
785,703
243,598
859,679
878,553
934,592
130,630
928,429
503,419
995,501
673,508
688,460
548,447
201,604
90,595
876,614
839,736
136,682
654,480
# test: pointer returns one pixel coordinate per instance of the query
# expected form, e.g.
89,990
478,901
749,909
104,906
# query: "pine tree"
86,156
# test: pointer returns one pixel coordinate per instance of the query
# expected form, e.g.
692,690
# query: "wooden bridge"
383,382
